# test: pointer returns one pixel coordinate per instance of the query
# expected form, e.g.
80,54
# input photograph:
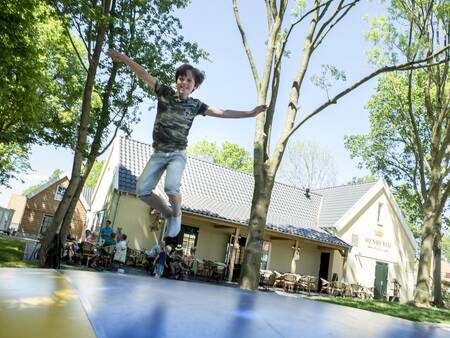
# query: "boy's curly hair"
198,75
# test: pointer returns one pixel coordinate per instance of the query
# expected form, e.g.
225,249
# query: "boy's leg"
174,173
175,203
147,182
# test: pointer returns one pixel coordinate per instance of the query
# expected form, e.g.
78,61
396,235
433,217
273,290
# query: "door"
381,274
324,266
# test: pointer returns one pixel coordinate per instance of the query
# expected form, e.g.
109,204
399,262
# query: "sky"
229,85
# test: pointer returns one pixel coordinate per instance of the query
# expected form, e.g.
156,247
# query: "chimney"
307,195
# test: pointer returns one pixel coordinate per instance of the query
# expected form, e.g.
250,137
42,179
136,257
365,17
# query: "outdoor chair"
369,293
266,279
302,283
306,283
88,251
326,286
357,291
337,289
209,269
289,282
218,271
278,280
106,256
202,270
132,256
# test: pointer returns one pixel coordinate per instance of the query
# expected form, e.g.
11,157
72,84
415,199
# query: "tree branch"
318,40
247,47
405,66
300,20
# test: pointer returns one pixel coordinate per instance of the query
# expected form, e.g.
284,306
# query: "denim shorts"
173,163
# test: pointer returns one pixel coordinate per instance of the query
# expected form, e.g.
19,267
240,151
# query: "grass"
405,311
11,254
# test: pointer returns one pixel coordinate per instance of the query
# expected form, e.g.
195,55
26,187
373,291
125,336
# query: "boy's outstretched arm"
134,66
217,112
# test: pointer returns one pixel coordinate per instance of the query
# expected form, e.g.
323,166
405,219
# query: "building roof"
222,193
85,197
338,200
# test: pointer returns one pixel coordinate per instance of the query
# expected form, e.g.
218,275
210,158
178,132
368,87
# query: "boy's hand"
257,110
116,56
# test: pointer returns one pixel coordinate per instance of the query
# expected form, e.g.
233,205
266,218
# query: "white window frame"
379,213
58,195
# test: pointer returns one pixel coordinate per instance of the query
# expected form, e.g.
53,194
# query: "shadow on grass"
405,311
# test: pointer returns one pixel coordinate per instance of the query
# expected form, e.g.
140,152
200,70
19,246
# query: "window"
188,238
380,206
60,190
265,255
46,221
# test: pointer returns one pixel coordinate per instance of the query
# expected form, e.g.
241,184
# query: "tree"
307,165
93,176
147,32
40,88
409,138
362,180
57,173
323,17
229,155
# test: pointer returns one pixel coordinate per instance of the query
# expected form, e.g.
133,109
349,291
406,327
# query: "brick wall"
44,203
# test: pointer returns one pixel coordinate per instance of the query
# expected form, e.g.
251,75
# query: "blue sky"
229,85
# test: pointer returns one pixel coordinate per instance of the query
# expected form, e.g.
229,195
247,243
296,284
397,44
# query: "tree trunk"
52,239
48,243
437,250
70,210
262,192
422,292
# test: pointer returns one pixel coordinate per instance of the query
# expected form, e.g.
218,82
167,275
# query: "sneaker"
173,226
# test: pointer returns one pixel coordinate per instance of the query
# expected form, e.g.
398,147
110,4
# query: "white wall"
384,241
106,181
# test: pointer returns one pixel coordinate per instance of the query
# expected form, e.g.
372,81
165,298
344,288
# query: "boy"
175,114
160,261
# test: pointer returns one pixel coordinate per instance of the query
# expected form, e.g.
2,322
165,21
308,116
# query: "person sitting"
179,265
111,240
72,249
90,238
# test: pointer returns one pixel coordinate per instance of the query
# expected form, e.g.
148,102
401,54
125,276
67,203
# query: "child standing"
175,113
161,261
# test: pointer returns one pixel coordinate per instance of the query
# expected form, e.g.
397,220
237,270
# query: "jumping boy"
175,113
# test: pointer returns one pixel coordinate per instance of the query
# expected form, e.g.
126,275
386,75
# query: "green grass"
11,254
405,311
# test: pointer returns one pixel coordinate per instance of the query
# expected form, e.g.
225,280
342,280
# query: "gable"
366,211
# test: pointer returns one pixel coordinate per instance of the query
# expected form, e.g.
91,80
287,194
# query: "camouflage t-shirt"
174,119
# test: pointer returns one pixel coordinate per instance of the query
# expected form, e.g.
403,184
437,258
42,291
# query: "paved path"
122,305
